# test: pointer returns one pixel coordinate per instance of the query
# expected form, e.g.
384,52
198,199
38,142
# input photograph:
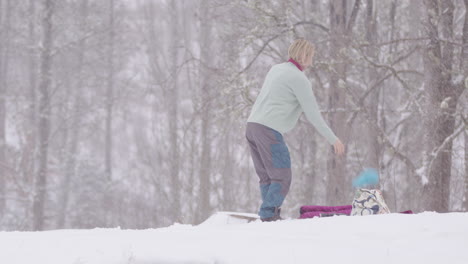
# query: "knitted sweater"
285,94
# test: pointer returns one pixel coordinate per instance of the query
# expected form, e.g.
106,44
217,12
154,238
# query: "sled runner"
228,218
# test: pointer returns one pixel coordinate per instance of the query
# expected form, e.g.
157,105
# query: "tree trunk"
188,19
464,68
440,105
205,166
308,154
44,117
227,200
71,154
4,60
173,105
373,99
29,156
337,184
109,93
465,200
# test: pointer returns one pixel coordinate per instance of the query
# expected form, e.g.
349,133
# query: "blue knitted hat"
367,177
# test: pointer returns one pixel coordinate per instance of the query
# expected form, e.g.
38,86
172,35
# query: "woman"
285,94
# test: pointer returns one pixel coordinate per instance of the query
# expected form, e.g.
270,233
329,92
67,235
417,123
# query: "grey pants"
272,163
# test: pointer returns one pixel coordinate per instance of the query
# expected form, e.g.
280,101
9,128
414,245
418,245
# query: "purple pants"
272,163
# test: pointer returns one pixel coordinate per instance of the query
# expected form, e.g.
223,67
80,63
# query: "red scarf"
296,63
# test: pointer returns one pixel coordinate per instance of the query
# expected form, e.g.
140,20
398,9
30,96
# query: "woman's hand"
339,147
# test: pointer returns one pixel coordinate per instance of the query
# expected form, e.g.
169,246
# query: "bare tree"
4,60
205,115
373,98
440,106
110,92
173,111
465,201
77,114
464,67
29,153
340,34
44,116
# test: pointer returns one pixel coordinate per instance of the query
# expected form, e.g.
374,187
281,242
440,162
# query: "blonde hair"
300,50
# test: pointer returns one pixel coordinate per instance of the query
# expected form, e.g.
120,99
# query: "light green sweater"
285,94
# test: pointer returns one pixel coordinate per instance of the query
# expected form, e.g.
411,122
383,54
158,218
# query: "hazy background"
132,113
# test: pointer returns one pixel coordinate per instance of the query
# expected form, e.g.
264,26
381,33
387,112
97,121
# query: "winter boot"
275,217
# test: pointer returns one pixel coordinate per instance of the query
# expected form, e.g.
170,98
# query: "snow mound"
428,238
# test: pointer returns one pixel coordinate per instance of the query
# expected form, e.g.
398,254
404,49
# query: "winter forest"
132,113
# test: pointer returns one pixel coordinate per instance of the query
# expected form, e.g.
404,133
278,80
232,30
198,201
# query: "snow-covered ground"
394,238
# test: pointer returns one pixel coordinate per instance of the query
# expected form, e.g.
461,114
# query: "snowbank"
395,238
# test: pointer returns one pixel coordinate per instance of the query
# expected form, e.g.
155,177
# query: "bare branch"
352,19
260,52
322,27
364,45
435,153
385,139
